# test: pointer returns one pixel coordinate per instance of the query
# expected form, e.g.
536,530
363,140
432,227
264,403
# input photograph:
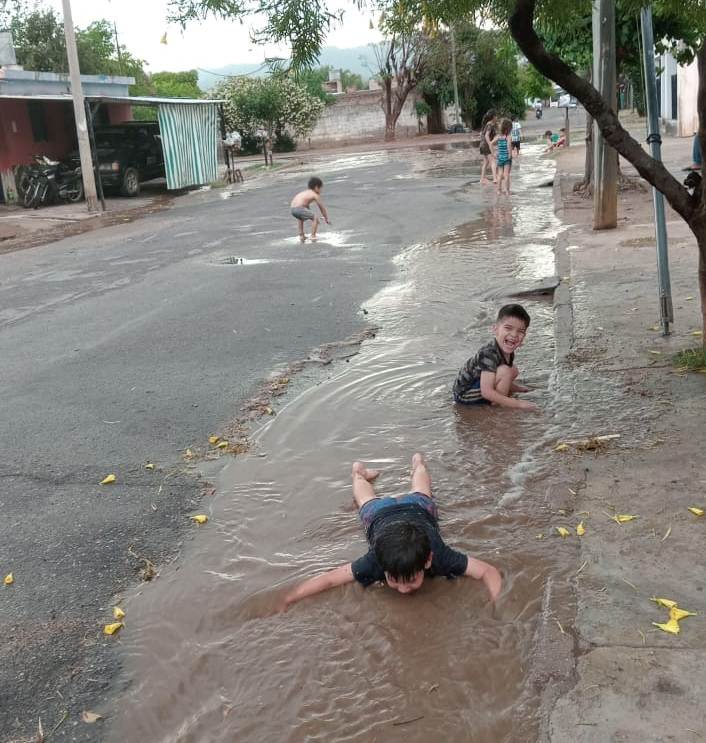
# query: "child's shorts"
369,510
504,163
475,400
302,213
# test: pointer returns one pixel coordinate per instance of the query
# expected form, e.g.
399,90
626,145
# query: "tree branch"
701,108
654,172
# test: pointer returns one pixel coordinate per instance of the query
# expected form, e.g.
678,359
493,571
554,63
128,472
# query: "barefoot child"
516,136
489,376
301,211
503,151
404,539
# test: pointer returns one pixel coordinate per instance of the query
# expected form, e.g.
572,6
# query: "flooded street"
209,659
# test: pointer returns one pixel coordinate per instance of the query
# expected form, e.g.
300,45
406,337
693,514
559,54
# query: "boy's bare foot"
417,461
367,474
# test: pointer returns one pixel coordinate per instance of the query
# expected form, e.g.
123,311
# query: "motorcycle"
51,182
538,113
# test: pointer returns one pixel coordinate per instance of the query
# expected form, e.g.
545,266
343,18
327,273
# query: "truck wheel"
131,183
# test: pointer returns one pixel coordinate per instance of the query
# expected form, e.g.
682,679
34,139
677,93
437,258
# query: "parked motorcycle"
52,182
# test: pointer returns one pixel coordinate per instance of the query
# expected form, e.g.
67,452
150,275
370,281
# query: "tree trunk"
435,119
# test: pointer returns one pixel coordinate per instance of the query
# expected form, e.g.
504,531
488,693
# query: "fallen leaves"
623,518
9,579
111,629
149,466
671,626
90,717
222,445
563,532
200,518
109,479
697,511
592,443
118,613
213,440
580,529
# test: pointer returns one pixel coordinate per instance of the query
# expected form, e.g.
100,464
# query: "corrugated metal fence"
189,140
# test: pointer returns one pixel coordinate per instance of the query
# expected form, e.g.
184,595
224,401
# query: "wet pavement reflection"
209,659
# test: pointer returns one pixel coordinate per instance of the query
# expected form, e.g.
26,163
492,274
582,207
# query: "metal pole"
605,158
453,72
117,48
567,128
666,310
84,146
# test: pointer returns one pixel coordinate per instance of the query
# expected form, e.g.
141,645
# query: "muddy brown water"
208,658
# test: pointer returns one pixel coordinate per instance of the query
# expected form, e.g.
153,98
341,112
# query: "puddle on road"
209,660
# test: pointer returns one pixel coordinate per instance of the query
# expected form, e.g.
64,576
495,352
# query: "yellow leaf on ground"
200,518
688,299
580,529
653,327
118,613
623,518
90,717
221,445
561,447
213,440
563,531
149,466
666,603
108,479
677,614
539,536
9,579
697,511
672,626
111,629
697,333
655,353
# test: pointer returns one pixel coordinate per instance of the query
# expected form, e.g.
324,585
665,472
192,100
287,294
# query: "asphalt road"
132,343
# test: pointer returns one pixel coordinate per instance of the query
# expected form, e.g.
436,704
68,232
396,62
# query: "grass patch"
691,359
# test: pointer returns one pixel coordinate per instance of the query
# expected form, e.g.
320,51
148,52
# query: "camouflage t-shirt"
489,358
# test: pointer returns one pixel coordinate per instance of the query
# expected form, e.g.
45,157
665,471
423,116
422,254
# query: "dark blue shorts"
475,400
368,510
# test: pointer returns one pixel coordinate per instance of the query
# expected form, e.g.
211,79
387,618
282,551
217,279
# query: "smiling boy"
405,544
489,376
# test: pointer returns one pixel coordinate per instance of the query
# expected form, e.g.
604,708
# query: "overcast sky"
141,24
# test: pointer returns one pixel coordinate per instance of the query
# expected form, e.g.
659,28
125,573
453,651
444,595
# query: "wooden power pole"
84,146
605,158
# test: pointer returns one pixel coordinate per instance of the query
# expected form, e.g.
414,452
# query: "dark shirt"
445,561
489,358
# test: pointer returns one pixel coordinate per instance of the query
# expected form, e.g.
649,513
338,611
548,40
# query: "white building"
677,88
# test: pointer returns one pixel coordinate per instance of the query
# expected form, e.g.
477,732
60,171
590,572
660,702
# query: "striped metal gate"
190,143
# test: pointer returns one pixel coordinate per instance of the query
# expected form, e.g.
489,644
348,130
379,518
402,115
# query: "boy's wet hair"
514,310
315,182
548,133
402,549
506,126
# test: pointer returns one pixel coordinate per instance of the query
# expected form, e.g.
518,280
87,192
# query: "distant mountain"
360,59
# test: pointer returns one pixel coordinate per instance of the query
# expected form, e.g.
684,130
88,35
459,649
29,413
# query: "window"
38,122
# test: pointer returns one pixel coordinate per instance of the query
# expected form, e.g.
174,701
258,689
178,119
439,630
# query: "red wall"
16,142
119,112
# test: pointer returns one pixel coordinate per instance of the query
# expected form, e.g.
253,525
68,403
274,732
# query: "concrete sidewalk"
631,682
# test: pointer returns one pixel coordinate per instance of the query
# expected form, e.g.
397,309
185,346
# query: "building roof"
134,100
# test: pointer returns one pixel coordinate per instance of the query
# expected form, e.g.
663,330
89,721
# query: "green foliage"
276,104
422,109
313,80
691,359
176,84
487,70
352,81
533,84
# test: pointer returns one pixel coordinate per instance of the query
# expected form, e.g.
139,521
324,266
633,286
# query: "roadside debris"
90,717
111,629
9,579
675,615
109,479
200,518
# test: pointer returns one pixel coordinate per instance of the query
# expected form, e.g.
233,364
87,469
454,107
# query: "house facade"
677,87
36,116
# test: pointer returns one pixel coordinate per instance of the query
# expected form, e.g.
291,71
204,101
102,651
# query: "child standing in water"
503,150
516,135
301,210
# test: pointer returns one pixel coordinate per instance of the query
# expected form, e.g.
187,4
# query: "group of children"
404,543
499,142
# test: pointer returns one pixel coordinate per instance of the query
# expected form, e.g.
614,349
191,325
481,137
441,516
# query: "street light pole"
84,146
666,310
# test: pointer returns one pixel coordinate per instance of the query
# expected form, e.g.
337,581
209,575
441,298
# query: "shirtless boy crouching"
301,207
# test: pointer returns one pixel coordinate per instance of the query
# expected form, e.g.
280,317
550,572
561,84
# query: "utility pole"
666,311
453,72
605,158
84,146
